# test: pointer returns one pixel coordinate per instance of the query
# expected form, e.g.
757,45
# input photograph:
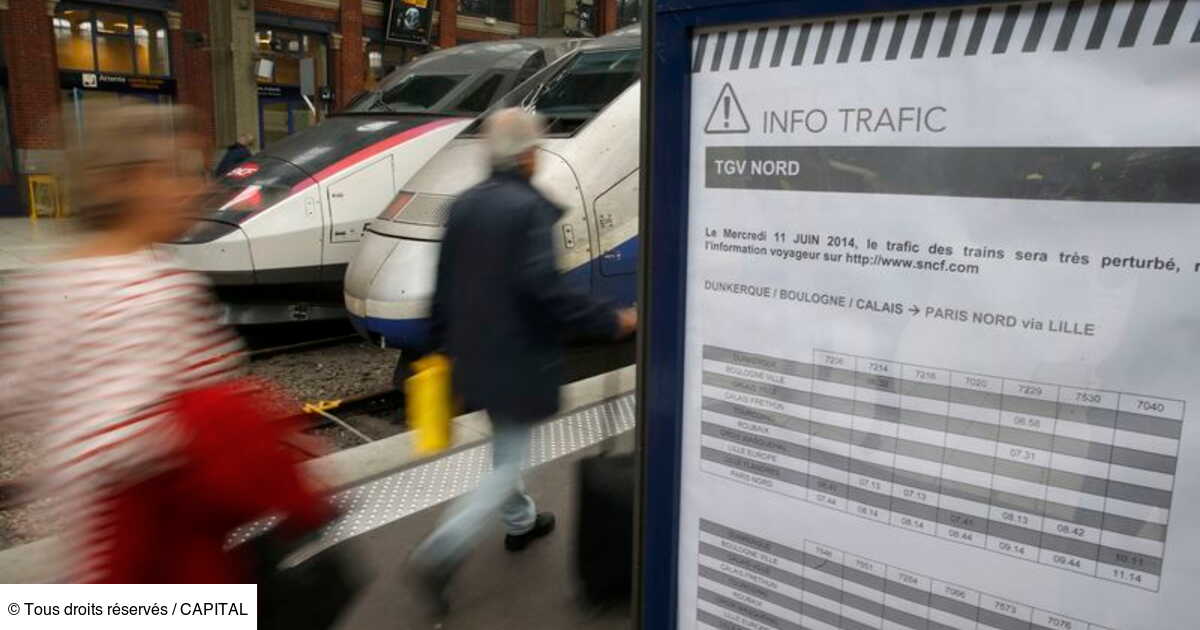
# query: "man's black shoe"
541,527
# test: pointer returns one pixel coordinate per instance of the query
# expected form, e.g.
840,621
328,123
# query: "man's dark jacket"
500,308
234,155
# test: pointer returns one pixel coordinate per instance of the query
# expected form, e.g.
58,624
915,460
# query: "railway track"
258,354
345,422
263,342
355,420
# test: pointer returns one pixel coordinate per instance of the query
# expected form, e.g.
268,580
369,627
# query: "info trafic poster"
943,321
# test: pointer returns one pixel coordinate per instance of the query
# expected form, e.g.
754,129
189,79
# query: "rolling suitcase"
604,545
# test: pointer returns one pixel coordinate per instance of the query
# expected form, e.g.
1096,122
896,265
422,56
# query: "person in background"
235,154
500,311
116,356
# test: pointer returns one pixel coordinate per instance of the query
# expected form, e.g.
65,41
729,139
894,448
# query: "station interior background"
61,58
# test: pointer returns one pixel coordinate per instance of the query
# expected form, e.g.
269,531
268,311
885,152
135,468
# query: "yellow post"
44,197
430,403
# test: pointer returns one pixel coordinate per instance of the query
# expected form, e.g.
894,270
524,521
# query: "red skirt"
172,528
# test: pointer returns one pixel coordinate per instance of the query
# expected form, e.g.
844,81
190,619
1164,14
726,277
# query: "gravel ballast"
348,369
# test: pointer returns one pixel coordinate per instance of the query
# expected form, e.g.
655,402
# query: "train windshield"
570,94
411,93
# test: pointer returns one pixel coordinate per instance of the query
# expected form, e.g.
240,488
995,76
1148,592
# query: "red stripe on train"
373,150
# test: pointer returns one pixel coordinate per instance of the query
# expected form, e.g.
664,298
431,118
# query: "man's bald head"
512,137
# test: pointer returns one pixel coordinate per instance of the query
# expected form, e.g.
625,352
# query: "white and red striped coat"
91,352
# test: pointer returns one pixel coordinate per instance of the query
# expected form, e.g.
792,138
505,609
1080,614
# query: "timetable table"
1074,478
745,582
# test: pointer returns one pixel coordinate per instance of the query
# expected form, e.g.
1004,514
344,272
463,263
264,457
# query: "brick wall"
525,14
447,23
32,77
292,9
466,36
608,16
193,67
350,57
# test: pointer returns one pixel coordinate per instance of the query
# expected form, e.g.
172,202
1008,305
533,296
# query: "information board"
942,320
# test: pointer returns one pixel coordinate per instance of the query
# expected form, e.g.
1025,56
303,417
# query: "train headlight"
205,232
398,202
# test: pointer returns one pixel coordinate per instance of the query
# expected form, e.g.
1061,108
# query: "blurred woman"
111,349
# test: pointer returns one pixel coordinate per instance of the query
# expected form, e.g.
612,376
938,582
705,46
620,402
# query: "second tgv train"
278,231
588,163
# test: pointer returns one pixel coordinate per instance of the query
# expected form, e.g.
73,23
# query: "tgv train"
588,163
277,232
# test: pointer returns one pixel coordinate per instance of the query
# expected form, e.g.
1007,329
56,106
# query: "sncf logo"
245,170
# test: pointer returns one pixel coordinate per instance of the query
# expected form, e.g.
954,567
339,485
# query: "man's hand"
627,320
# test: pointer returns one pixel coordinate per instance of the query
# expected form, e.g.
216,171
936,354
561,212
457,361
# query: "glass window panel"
589,83
479,99
285,43
115,53
151,43
274,122
570,93
318,51
262,39
6,163
536,62
302,117
473,7
91,104
73,35
629,12
112,23
417,92
503,9
286,49
372,65
287,70
499,9
166,121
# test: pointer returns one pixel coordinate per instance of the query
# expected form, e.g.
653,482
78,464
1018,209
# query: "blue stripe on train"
399,333
621,288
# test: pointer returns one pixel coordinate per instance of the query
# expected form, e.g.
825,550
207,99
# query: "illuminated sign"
409,21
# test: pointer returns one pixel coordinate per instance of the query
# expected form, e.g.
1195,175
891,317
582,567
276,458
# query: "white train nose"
388,289
218,249
372,253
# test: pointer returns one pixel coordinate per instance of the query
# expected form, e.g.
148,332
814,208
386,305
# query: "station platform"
24,242
390,500
387,517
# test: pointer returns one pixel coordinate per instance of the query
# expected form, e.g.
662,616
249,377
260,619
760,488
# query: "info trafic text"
858,120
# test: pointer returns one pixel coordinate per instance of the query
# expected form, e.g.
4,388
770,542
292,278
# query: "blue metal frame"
668,27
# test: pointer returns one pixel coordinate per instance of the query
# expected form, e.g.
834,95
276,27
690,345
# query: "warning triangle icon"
727,115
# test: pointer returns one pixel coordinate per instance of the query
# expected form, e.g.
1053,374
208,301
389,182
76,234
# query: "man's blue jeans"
500,491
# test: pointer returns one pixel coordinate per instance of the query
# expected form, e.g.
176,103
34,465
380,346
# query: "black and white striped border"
1029,27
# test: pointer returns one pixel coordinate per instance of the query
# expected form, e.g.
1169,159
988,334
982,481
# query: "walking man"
500,311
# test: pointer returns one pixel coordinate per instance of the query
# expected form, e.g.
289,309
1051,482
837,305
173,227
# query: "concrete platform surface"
495,589
386,480
24,243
